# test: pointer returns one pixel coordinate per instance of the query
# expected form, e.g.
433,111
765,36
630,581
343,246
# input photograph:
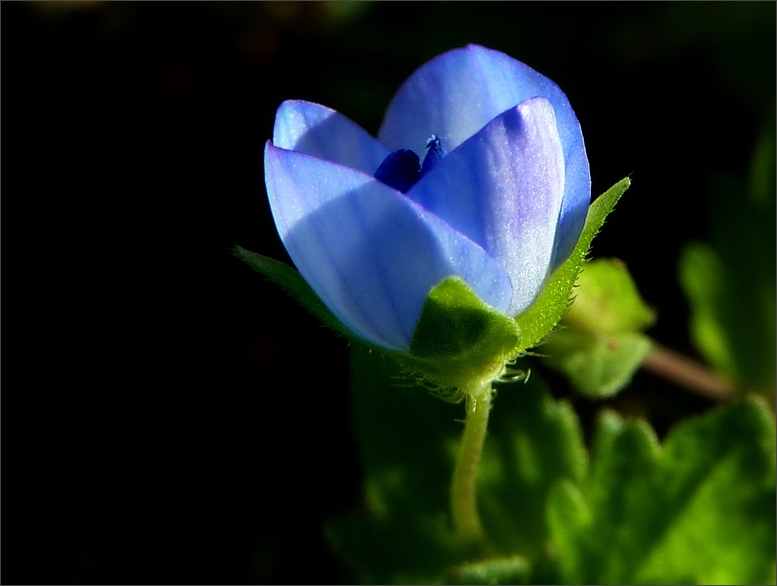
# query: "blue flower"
499,200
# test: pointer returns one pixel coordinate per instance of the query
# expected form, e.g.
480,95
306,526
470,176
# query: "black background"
169,416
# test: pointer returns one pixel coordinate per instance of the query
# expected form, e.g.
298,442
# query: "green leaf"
534,442
543,315
599,346
699,509
597,366
607,301
731,283
701,275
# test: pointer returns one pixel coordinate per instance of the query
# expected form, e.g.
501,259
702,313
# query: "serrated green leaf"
543,315
718,474
699,509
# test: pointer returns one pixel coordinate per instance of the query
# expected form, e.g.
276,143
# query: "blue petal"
503,188
457,93
324,133
369,252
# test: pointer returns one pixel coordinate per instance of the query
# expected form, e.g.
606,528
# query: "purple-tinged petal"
457,93
503,189
324,133
369,252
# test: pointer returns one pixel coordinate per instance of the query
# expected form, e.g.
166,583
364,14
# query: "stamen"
402,168
434,152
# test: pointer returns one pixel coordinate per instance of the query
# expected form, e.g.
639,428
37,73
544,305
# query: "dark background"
168,415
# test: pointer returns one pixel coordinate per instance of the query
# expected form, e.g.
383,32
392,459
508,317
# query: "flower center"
403,168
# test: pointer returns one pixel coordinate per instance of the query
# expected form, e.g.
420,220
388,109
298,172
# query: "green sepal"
599,345
459,338
542,316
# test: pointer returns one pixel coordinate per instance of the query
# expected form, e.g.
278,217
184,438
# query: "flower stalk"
464,509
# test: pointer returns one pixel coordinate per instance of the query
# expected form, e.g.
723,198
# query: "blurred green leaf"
534,442
700,509
703,281
599,345
597,366
606,300
731,282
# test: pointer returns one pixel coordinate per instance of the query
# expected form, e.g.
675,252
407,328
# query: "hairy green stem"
463,502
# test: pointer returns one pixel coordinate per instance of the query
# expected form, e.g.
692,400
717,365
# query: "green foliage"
730,282
607,301
597,366
599,345
699,508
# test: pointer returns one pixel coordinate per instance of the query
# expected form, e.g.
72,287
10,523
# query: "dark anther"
400,170
434,152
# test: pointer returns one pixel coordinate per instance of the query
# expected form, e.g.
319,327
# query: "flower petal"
324,133
369,252
503,189
574,207
457,93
